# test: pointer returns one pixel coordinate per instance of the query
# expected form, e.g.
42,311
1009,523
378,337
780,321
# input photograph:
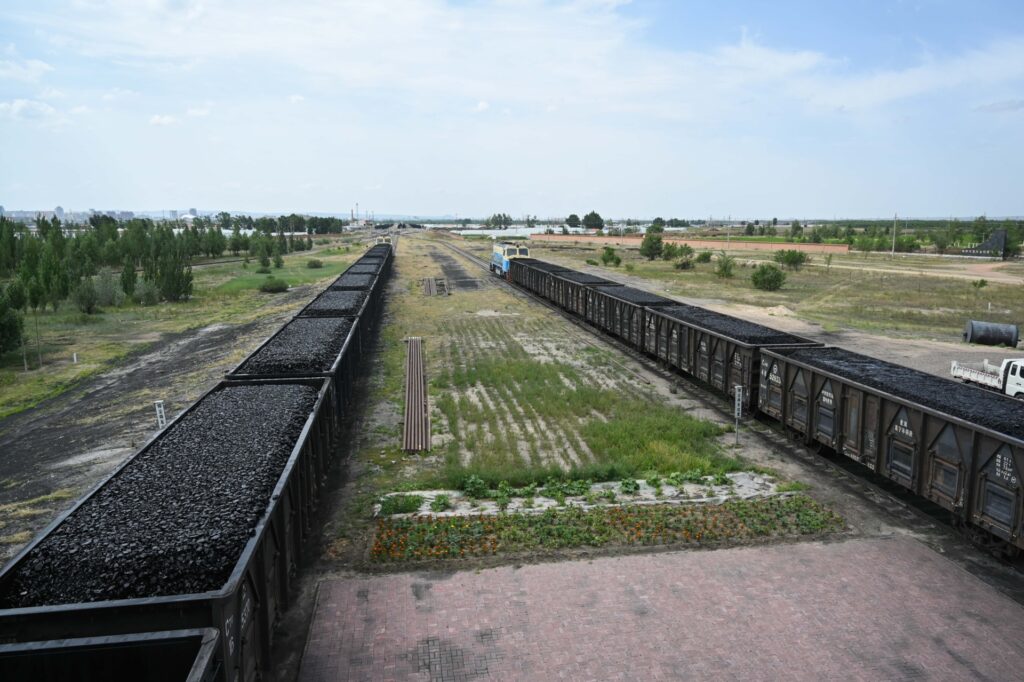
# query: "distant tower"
59,212
194,213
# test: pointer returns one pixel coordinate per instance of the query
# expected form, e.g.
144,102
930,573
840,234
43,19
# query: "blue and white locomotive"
502,254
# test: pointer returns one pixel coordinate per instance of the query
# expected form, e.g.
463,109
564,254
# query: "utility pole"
893,256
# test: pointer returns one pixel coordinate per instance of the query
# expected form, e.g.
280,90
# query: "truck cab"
503,253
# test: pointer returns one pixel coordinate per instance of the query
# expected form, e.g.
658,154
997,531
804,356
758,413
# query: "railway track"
924,520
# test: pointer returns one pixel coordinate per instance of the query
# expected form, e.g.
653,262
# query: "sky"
790,108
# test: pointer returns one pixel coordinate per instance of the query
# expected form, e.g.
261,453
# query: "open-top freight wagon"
958,446
202,528
330,347
533,275
718,349
568,289
619,310
176,656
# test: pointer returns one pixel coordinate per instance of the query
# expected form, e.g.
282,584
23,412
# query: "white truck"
1007,377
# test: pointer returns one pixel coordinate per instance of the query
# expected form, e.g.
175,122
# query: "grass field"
224,293
857,292
519,398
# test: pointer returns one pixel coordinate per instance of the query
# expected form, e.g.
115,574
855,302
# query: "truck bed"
984,373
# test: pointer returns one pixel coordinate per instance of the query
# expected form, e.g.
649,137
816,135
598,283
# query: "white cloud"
28,110
162,120
296,99
26,70
482,106
197,112
51,93
81,109
116,93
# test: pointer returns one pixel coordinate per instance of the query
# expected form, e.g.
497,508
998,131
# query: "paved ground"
861,609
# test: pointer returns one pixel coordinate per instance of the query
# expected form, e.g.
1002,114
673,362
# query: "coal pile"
731,327
986,408
176,519
304,346
363,269
378,250
635,296
353,281
333,303
543,266
585,278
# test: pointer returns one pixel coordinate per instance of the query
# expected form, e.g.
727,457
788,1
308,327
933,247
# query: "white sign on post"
738,393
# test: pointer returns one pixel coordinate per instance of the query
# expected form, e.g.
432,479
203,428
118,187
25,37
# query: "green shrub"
791,258
146,293
85,296
768,277
630,486
400,504
683,264
273,285
440,503
703,257
263,270
314,263
475,487
725,265
278,261
591,261
108,289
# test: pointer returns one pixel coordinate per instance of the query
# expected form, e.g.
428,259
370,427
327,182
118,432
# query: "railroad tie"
417,410
429,287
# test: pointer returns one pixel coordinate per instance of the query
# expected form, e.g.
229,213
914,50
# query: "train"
957,446
179,564
504,253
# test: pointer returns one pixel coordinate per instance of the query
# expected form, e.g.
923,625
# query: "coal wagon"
718,349
958,446
203,527
619,311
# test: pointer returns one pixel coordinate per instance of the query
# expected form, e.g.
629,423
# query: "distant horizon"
149,213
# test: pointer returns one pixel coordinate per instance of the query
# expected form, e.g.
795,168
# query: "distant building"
174,215
59,213
192,212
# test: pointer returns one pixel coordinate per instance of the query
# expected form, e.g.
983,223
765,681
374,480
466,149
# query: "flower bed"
443,537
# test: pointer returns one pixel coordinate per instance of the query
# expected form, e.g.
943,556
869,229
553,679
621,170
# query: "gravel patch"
176,519
987,408
333,303
306,345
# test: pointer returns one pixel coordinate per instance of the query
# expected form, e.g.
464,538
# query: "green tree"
36,300
768,277
11,325
791,258
795,229
128,277
573,220
609,257
17,297
85,296
174,269
593,221
278,260
652,246
657,225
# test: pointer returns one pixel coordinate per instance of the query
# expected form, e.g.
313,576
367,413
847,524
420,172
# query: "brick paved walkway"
861,609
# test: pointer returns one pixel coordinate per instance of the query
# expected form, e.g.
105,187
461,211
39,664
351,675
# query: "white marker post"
738,411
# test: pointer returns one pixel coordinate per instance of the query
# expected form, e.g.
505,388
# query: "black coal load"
730,327
364,269
176,519
543,266
585,278
636,296
378,250
304,346
333,303
986,408
353,281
